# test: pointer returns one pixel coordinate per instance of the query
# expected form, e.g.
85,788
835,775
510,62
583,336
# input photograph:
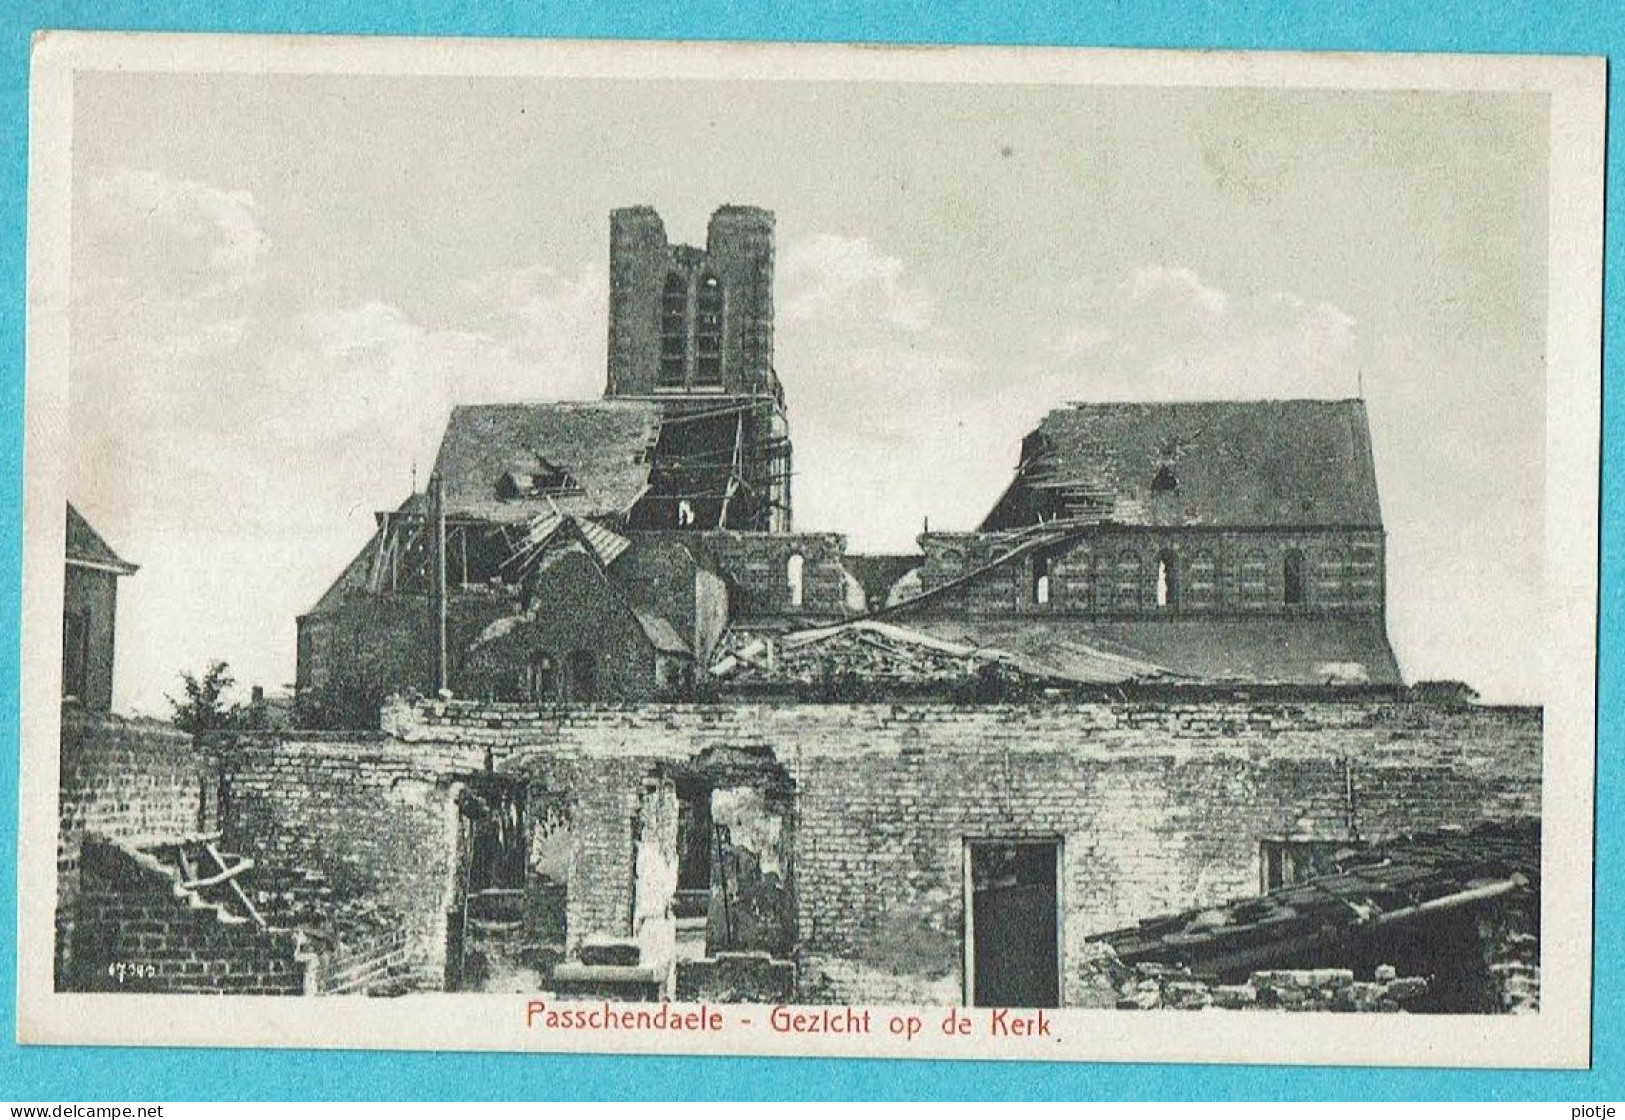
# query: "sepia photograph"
741,549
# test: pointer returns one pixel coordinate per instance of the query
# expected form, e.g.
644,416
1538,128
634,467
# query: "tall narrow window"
75,654
1041,581
673,330
708,332
1292,578
1167,581
793,576
544,685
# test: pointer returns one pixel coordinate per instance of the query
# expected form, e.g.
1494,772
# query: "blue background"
69,1074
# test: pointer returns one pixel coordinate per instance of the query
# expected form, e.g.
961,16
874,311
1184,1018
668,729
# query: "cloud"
214,400
555,324
831,278
1166,333
928,416
198,232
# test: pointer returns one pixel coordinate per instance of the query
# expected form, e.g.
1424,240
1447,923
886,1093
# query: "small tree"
204,707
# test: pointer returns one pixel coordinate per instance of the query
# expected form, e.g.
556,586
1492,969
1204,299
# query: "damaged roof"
1218,463
86,547
1326,650
887,652
603,447
1409,879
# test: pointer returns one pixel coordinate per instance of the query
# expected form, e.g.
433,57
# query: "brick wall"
139,932
352,656
380,824
757,568
372,966
123,779
1114,571
1158,806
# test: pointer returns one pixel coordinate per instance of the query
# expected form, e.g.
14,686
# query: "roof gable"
602,449
86,547
1300,463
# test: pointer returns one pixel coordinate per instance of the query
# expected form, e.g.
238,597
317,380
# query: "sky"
282,283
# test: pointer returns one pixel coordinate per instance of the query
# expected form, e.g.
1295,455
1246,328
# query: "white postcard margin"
1559,1036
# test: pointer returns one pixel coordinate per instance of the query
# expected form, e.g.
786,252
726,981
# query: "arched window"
793,576
1167,581
708,332
1040,581
1293,590
544,684
673,330
1164,482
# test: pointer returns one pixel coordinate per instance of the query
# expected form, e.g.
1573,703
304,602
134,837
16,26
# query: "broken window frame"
1168,583
795,578
710,309
1041,585
1287,861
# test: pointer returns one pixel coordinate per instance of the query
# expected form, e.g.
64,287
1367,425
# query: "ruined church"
640,546
590,717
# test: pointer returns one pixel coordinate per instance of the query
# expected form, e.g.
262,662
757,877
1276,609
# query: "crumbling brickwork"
758,570
139,932
1157,806
123,779
380,824
655,291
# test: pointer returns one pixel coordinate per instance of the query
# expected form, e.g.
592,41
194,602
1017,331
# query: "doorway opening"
492,861
1012,923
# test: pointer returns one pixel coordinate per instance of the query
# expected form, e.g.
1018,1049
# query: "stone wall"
1156,806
